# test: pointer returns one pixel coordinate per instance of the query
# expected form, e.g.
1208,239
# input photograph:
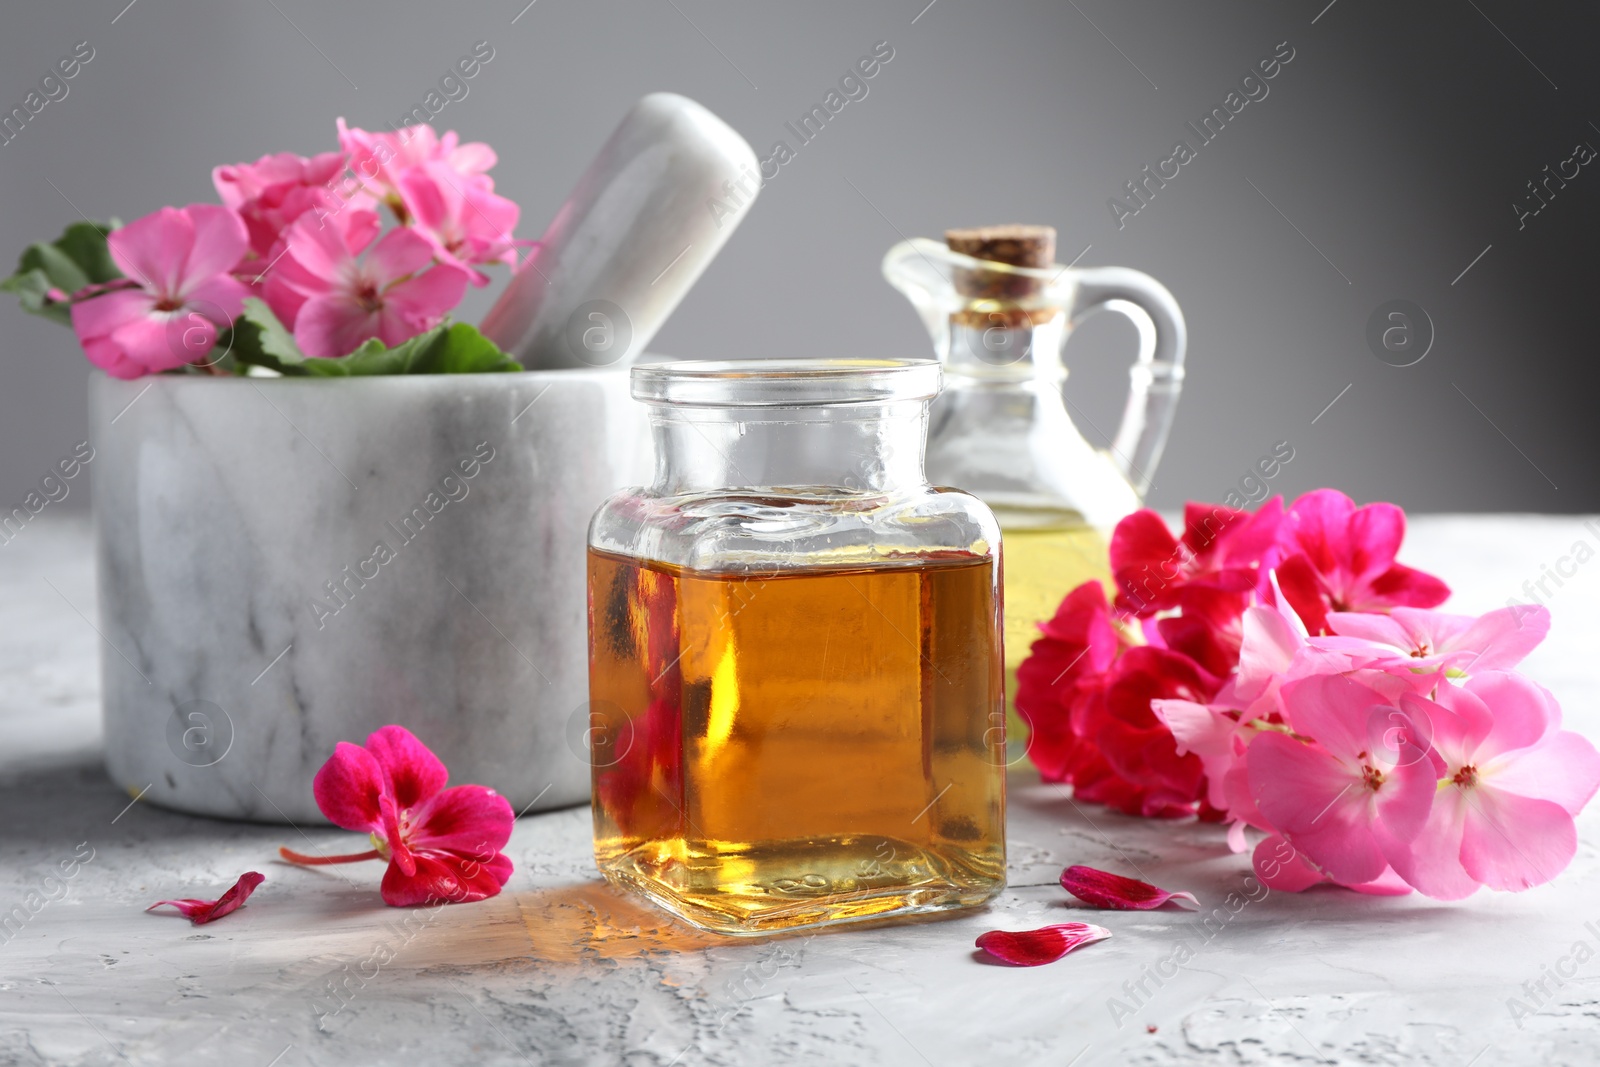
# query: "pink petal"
1375,534
219,298
204,911
1031,948
1373,627
1402,585
1103,889
158,340
334,325
1318,804
154,249
1334,710
1524,712
400,252
220,241
424,300
471,819
350,789
1280,866
1515,843
415,774
1563,769
1432,862
1503,638
109,357
98,316
445,878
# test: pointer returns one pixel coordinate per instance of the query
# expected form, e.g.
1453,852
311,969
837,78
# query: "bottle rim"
769,383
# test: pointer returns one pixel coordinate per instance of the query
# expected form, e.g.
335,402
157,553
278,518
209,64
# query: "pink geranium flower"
1417,640
1512,781
275,190
1338,557
379,159
334,301
442,845
464,218
1346,801
178,294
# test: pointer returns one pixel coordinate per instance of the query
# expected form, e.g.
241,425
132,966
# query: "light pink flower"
334,301
1338,557
463,217
1354,798
178,296
275,190
378,159
1417,640
1512,781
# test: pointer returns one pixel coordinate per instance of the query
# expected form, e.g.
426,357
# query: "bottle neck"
869,448
1011,345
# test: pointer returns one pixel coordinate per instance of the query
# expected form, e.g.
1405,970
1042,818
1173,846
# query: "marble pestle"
630,241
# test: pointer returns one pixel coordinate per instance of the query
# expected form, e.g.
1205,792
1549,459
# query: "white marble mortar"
227,509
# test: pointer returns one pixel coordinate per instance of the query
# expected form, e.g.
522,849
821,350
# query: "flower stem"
316,861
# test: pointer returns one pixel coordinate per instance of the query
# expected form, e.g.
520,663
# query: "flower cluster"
1279,670
302,234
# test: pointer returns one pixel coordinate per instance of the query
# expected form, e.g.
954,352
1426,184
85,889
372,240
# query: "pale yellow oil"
1043,563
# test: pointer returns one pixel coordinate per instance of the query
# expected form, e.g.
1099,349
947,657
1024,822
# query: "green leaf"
257,336
77,258
457,349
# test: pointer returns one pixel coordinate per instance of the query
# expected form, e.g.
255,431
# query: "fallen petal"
1031,948
204,911
1106,890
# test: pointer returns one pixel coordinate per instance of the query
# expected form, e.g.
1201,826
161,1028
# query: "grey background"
1390,149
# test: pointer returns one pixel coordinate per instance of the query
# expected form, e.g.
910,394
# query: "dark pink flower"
1338,557
1115,892
1222,550
204,911
442,845
1032,948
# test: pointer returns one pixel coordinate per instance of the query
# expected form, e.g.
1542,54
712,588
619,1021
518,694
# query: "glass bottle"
999,311
796,675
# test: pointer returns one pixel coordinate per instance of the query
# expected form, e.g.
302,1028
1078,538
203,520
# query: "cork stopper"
1016,245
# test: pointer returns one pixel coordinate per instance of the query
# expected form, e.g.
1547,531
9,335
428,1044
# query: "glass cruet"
796,681
1000,310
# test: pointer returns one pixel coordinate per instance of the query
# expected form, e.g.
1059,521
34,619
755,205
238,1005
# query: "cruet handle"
1156,376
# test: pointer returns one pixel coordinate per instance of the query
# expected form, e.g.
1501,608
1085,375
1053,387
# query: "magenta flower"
334,301
1512,781
200,912
1412,639
442,845
1348,801
463,217
1338,557
379,159
275,190
178,294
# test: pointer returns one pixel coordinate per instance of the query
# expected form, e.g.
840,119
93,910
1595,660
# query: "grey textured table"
559,970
